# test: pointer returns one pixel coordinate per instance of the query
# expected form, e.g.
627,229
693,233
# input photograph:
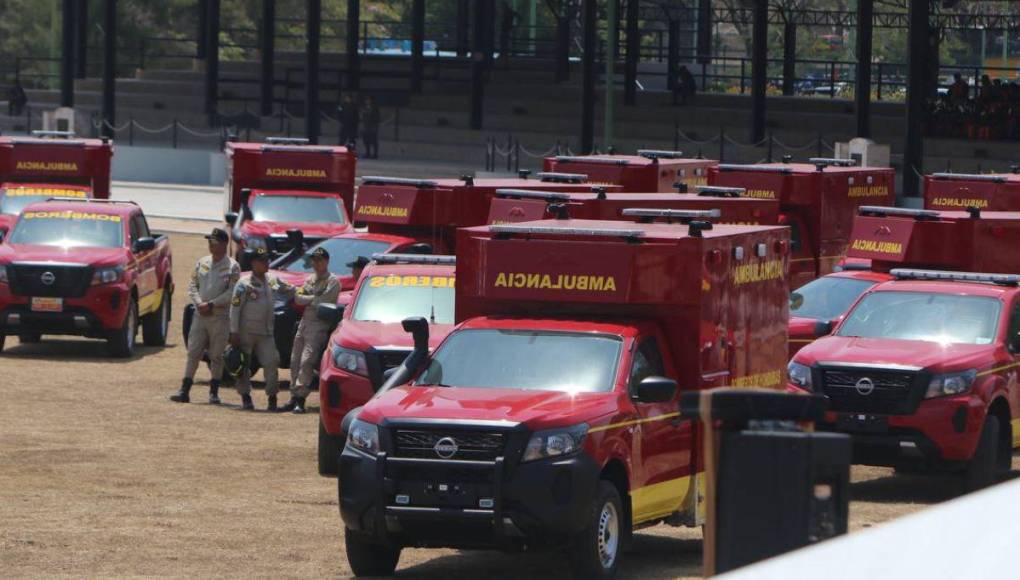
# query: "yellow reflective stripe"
659,499
151,303
634,422
1015,423
998,369
802,340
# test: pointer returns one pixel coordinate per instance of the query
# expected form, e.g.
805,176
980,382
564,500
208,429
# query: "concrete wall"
164,165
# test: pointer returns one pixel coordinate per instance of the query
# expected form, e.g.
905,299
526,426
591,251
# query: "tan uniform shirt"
314,292
251,308
213,282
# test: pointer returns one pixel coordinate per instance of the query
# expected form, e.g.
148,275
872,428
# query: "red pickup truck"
86,268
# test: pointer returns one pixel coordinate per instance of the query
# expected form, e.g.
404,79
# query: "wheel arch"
615,472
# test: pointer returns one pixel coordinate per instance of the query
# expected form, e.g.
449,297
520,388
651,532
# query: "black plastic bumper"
74,321
403,501
891,447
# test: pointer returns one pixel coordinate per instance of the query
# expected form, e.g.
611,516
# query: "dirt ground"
100,475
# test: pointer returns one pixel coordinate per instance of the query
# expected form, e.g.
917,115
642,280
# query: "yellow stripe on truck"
659,499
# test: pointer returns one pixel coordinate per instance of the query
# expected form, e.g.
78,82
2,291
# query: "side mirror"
1014,343
823,328
231,218
656,390
145,245
796,300
329,313
419,248
296,238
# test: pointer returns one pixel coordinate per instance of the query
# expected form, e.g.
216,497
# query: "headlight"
350,360
107,275
364,437
950,384
3,275
800,375
255,242
555,442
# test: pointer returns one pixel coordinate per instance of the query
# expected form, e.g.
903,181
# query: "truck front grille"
883,391
470,445
49,280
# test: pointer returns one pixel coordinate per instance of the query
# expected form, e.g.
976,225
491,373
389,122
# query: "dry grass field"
100,475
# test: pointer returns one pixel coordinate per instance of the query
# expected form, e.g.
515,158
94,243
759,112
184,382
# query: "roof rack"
882,211
912,274
555,177
379,180
287,141
592,159
93,200
682,215
752,167
835,161
660,154
719,191
429,259
601,232
970,177
525,193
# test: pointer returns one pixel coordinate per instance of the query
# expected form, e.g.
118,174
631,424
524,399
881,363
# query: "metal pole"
202,35
313,25
589,73
353,57
789,55
633,49
109,67
759,62
478,66
673,55
212,56
704,31
268,54
917,56
417,44
532,24
463,26
862,92
81,39
67,54
563,43
612,38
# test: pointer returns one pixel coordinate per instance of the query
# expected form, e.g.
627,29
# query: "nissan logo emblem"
865,386
47,278
445,448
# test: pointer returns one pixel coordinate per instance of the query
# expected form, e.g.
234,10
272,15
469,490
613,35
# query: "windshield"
391,299
930,317
526,359
341,251
293,208
15,199
68,229
827,298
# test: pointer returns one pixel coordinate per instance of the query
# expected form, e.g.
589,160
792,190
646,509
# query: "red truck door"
1012,373
662,442
147,283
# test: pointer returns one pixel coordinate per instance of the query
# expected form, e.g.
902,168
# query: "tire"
3,339
121,343
367,558
329,452
30,338
156,326
595,551
981,471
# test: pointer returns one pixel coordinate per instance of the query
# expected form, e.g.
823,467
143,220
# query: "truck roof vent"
429,259
750,167
660,154
555,177
591,159
719,191
882,211
379,180
970,177
695,228
556,230
647,215
912,274
527,193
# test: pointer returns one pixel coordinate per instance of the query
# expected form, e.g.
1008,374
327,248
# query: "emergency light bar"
719,191
835,161
41,141
852,267
970,177
1000,279
660,154
525,193
287,141
882,211
601,232
678,214
748,167
378,180
555,177
91,200
297,148
431,259
592,159
64,134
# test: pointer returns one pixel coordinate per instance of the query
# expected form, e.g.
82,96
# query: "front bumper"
466,504
101,310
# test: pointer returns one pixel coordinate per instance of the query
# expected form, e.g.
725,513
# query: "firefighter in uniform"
251,325
209,290
321,288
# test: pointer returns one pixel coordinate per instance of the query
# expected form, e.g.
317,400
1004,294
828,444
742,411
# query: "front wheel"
329,452
156,326
981,471
595,550
3,339
368,558
122,343
29,338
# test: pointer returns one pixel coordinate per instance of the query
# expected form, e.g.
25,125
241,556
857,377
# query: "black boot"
214,392
246,404
182,396
291,404
272,403
299,406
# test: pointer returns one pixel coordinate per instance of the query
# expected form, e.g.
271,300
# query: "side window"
647,362
1014,328
133,225
143,226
